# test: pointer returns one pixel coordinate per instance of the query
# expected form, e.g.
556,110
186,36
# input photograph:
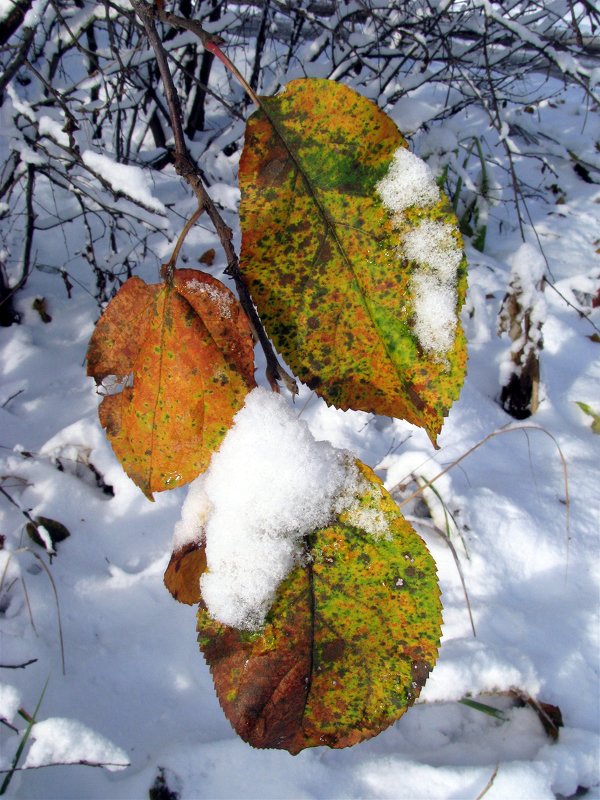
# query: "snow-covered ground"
522,510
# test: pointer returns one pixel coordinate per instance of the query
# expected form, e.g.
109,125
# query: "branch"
188,170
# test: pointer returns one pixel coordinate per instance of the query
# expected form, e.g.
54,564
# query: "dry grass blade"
489,784
487,438
54,590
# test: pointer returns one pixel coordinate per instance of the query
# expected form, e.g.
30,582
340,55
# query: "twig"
79,763
489,784
167,269
188,170
570,304
18,666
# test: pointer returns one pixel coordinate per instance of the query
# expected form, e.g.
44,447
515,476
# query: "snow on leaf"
183,354
347,645
331,201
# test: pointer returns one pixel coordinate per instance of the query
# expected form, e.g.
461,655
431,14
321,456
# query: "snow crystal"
124,178
433,247
268,486
435,315
67,741
10,700
409,182
220,297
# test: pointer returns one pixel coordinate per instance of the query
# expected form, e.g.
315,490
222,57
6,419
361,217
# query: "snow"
435,313
408,182
129,180
67,741
10,700
255,520
431,245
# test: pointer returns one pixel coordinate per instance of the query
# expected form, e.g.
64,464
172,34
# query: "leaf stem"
167,269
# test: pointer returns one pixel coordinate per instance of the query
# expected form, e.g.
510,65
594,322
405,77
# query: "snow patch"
218,296
435,315
124,178
10,700
67,741
431,246
409,182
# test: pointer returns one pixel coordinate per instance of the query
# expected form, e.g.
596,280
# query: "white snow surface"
408,182
130,180
10,700
269,485
67,741
134,673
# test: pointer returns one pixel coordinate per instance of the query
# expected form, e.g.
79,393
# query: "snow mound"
269,486
67,741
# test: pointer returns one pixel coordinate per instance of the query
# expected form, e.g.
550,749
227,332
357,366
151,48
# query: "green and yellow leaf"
348,643
182,354
325,261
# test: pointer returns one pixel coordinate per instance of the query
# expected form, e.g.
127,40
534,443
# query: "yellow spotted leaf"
360,293
348,643
182,354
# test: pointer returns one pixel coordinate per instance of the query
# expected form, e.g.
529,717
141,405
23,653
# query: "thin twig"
18,666
489,784
170,265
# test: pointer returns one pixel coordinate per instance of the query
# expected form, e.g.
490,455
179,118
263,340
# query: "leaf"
183,354
52,532
591,413
324,258
182,576
347,645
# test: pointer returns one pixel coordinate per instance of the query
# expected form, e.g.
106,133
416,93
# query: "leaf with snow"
352,254
349,641
182,352
66,741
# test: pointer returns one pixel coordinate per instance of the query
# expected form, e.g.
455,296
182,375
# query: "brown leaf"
208,257
182,576
184,350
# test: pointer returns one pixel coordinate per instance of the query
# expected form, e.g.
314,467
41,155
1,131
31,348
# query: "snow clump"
409,182
431,246
67,741
270,485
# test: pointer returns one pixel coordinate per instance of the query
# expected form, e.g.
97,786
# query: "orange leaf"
185,351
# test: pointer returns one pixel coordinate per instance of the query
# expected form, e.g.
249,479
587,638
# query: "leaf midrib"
330,227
